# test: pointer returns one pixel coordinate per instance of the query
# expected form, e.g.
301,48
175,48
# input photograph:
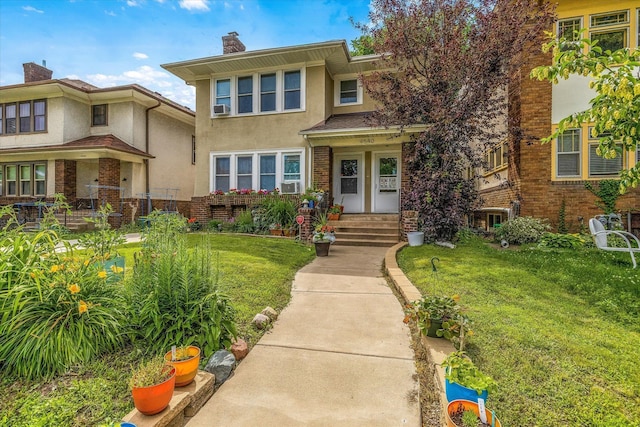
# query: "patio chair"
600,236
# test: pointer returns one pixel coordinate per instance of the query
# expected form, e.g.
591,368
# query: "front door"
348,183
386,182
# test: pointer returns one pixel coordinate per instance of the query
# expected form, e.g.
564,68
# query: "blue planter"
114,268
455,391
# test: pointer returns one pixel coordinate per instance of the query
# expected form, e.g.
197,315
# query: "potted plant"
103,244
186,360
440,316
152,385
458,415
463,379
333,214
323,235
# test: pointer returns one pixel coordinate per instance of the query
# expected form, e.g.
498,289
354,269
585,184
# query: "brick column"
65,179
409,223
109,175
306,230
322,168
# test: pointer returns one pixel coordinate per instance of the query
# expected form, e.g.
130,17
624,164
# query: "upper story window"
23,117
569,29
272,92
496,158
610,30
99,115
347,92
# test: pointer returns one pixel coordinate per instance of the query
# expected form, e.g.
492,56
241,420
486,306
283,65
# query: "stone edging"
436,348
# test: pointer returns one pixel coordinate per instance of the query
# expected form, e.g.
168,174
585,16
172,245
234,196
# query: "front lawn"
557,329
254,271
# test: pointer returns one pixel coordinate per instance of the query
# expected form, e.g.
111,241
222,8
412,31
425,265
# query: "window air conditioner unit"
220,110
290,187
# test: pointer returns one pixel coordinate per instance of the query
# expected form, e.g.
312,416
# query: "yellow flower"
117,269
82,307
86,262
74,289
102,274
33,275
456,298
54,268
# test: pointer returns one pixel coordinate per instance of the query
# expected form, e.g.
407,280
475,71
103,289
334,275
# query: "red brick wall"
322,168
65,179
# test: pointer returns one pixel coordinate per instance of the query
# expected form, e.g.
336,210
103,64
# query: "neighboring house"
527,178
291,118
122,145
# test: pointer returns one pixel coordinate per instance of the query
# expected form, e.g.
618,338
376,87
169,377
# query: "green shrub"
244,222
56,309
174,295
522,230
569,241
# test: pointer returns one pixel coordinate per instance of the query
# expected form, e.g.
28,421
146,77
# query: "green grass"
255,272
557,329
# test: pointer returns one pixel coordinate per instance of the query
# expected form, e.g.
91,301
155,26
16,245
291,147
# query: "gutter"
146,149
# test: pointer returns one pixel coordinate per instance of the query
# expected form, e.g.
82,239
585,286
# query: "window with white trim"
611,30
265,170
23,179
599,166
347,91
271,92
568,153
493,219
496,157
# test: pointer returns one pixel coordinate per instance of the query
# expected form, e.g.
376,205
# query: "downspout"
310,164
146,161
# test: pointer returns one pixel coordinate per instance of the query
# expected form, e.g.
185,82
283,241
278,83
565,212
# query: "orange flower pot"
452,407
186,370
153,399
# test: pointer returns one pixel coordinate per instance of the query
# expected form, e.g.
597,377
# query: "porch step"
367,229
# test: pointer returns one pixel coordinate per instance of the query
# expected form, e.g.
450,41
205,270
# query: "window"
268,92
291,167
568,147
223,92
292,82
245,94
267,172
569,29
99,115
10,121
24,179
493,220
614,38
496,158
222,173
244,172
347,91
599,166
23,117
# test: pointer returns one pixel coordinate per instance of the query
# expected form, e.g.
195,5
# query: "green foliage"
174,294
608,190
362,45
521,230
568,241
469,419
152,372
213,225
279,211
455,324
562,218
244,222
103,241
56,309
460,369
615,110
557,329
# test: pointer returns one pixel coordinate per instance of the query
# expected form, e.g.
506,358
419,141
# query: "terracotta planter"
333,216
186,370
276,232
153,399
322,248
452,407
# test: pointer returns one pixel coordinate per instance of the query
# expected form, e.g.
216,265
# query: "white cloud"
32,9
202,5
139,55
133,3
109,13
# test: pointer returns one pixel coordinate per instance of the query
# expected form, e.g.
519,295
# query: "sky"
118,42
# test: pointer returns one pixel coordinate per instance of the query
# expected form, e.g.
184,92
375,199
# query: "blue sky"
116,42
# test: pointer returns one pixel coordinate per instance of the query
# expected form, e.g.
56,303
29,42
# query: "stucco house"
125,145
533,179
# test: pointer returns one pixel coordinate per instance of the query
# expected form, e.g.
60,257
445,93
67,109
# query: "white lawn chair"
600,239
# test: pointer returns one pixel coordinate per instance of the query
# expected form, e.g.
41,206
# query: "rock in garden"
271,313
446,244
261,321
221,365
239,349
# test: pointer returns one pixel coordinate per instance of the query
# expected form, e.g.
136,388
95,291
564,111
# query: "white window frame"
336,91
233,177
558,153
233,82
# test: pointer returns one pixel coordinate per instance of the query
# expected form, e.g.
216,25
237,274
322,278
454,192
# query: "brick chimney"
35,73
231,43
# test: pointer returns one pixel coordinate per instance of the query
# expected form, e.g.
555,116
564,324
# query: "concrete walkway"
339,355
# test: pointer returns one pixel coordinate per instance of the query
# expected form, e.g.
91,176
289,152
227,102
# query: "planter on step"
457,407
187,368
152,399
